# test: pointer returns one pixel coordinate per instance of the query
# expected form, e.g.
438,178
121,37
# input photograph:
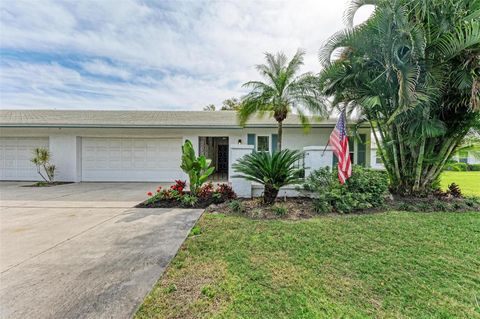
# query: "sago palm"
282,91
272,171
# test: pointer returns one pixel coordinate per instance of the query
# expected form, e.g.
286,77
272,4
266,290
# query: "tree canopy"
412,71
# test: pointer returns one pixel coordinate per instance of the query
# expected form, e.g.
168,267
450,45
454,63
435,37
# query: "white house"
146,145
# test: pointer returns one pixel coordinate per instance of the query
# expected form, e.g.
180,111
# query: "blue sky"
128,54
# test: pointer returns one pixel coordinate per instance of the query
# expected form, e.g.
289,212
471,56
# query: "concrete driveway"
81,250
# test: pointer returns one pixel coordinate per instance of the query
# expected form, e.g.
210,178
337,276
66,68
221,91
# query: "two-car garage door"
131,159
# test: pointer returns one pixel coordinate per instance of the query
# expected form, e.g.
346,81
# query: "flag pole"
325,148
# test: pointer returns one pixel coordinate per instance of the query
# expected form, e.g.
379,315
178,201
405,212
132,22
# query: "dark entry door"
222,160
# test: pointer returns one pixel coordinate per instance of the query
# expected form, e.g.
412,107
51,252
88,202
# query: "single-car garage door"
15,156
131,159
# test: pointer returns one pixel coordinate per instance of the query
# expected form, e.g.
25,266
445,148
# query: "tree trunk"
269,194
279,137
418,169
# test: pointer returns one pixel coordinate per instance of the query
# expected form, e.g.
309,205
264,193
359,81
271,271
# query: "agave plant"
197,168
272,171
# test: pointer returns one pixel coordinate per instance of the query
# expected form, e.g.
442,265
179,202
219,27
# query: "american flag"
339,142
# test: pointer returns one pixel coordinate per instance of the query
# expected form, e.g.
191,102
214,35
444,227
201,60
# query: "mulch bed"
44,184
295,207
172,203
303,207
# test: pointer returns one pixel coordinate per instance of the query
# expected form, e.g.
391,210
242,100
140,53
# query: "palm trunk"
269,194
418,169
279,137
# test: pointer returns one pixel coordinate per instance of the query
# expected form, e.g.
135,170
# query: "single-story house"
95,146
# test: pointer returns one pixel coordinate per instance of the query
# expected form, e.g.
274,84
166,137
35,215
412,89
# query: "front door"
222,159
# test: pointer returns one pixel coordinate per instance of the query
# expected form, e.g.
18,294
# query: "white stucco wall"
65,143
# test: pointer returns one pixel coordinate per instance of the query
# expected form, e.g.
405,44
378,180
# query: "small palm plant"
41,160
272,171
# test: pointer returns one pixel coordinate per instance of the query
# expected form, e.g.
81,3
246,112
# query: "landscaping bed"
45,184
177,197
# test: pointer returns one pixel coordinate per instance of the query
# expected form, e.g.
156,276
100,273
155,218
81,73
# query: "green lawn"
469,182
388,265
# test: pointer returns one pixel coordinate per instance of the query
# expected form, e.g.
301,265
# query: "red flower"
158,190
149,194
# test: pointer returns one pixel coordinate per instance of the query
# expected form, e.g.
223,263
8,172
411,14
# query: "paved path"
81,250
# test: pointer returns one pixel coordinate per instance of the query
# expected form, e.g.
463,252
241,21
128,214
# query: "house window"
263,144
351,148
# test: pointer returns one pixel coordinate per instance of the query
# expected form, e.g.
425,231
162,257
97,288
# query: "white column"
315,157
241,186
65,150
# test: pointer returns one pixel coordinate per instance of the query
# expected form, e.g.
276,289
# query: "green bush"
474,167
279,210
456,166
366,188
236,206
189,200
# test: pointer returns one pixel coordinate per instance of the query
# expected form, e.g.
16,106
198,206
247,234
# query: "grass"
388,265
469,182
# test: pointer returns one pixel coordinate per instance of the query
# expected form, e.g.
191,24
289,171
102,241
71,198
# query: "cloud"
156,55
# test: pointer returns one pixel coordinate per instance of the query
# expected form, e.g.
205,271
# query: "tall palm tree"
282,91
412,71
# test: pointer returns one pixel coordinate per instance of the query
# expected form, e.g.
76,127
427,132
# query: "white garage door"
131,159
15,155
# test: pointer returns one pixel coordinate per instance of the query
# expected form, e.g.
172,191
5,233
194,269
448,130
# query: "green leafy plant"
197,168
189,200
236,206
271,170
279,210
41,159
410,71
366,188
454,190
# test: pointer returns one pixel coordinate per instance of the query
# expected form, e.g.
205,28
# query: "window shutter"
274,142
251,140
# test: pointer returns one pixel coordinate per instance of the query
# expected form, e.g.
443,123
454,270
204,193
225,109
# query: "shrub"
474,167
456,166
271,170
41,159
197,168
366,188
226,191
279,210
454,190
206,190
189,200
236,206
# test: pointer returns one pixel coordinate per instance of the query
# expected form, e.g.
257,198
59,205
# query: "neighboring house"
466,157
143,145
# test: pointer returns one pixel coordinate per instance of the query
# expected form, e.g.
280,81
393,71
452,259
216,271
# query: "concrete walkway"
81,250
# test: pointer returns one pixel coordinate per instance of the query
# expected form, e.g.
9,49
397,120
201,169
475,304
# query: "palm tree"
411,71
282,91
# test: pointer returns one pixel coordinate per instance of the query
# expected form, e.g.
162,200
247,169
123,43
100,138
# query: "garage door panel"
131,159
15,155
